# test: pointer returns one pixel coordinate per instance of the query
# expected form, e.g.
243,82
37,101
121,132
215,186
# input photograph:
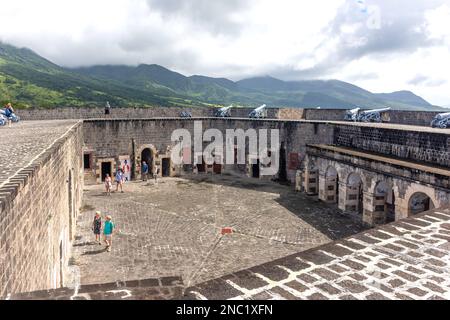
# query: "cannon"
223,112
258,113
352,115
185,114
441,120
365,116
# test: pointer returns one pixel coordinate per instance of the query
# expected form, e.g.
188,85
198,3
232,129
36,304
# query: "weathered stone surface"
41,178
173,228
381,278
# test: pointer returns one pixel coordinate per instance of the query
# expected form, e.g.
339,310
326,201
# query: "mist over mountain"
27,79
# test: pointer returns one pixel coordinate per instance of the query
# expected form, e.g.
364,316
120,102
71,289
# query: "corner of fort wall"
38,211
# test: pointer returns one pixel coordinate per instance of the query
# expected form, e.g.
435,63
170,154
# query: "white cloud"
286,38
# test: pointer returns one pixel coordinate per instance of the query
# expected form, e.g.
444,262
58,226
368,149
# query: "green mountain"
27,79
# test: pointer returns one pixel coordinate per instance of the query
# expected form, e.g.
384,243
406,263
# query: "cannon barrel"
260,108
376,110
442,115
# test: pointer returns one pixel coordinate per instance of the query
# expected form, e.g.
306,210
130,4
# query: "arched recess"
419,202
312,179
384,200
354,193
332,184
147,153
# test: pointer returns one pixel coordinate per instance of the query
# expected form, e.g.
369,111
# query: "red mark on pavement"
227,230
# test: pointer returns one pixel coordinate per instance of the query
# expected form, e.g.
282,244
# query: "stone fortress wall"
38,210
110,140
418,118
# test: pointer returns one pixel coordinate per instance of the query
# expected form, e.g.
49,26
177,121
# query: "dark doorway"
282,174
217,168
147,156
166,167
87,161
106,169
201,167
255,169
361,199
390,214
61,265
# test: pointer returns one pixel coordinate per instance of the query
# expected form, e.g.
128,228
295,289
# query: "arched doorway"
384,201
354,193
419,202
332,185
147,156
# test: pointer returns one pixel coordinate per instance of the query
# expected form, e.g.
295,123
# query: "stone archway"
331,187
406,207
419,202
146,153
354,193
378,200
311,179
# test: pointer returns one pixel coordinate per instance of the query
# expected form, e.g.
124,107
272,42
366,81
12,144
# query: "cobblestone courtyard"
174,228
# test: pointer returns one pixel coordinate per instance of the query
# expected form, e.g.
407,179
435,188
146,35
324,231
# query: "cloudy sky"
382,46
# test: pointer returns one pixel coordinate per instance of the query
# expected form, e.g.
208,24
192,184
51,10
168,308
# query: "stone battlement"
417,118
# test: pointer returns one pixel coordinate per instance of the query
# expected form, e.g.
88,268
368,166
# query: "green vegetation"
28,80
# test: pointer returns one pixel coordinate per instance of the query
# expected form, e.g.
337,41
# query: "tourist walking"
108,231
144,171
97,226
119,180
108,184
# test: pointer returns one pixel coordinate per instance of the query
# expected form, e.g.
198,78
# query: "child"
97,226
108,184
108,231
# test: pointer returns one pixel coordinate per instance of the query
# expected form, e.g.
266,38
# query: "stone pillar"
342,203
374,209
322,188
401,209
327,189
311,182
298,181
133,160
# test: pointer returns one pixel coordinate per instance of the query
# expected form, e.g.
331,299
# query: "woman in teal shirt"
108,230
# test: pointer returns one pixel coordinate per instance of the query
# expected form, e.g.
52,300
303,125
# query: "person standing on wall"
144,171
119,180
108,231
107,108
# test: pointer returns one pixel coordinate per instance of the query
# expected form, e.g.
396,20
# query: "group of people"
7,115
145,172
108,229
119,179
